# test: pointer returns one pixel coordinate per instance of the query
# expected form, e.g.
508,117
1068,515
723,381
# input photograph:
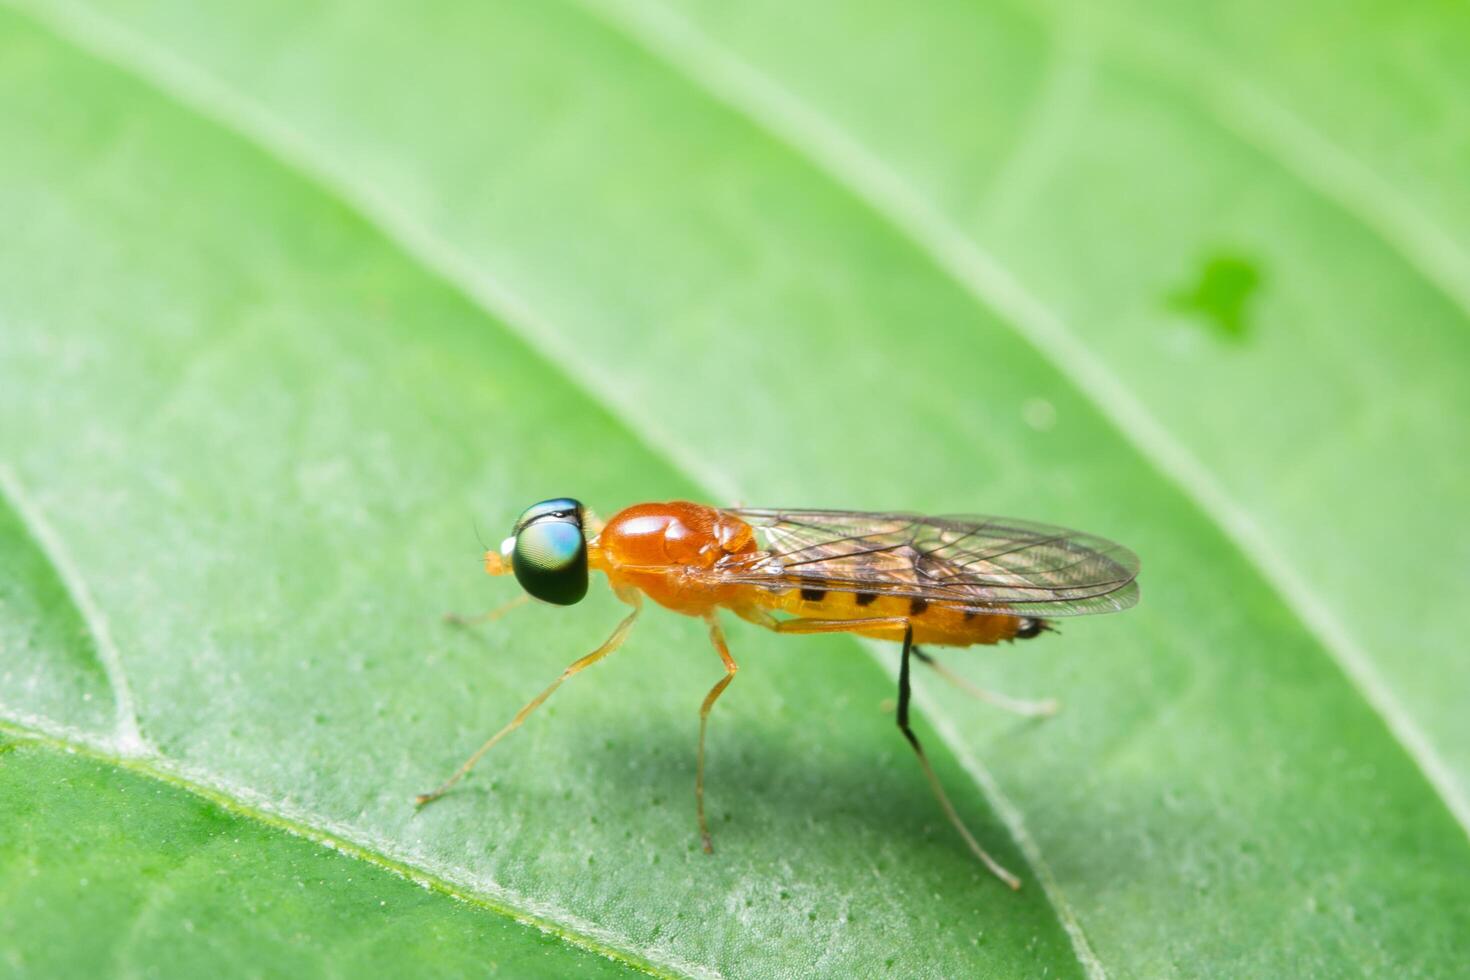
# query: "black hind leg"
908,733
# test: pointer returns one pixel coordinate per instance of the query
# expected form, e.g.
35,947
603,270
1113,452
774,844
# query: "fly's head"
547,551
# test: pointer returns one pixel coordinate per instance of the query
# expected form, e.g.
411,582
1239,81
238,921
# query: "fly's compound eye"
549,557
556,509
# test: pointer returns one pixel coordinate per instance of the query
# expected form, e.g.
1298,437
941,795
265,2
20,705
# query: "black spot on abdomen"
917,606
814,595
866,598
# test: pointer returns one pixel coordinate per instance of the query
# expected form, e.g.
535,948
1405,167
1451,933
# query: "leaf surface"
302,291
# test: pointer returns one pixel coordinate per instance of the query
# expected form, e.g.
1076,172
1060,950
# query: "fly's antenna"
495,565
484,548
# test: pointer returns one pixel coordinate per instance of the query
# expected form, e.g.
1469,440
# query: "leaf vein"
354,843
1062,97
127,737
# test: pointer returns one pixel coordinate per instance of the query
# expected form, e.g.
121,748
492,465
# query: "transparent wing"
988,564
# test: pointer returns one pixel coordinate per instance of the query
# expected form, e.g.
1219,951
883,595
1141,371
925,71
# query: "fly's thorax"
660,549
677,533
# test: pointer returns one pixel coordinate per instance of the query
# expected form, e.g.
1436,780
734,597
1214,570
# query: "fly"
939,581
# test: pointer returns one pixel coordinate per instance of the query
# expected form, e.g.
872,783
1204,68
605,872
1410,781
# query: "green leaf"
108,870
294,295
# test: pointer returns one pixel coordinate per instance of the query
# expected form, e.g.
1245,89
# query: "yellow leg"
1020,707
717,637
614,641
756,615
1016,705
488,617
839,625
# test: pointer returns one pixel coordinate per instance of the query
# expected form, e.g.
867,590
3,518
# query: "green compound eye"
550,554
557,508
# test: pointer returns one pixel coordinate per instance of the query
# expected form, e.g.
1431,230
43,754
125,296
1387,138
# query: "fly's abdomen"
941,623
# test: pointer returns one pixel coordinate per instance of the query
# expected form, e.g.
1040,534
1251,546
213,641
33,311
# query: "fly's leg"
495,564
904,692
1020,707
717,637
756,615
487,617
1015,705
908,733
577,666
840,625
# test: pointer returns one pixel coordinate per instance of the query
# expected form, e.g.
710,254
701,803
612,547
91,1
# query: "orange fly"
945,581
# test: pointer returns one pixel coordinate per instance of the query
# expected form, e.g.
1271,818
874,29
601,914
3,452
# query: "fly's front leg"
456,619
717,637
630,596
495,564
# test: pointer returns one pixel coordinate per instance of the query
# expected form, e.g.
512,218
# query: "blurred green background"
294,295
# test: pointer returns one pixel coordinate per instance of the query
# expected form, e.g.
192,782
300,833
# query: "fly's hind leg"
614,641
717,637
840,625
1030,709
880,626
908,733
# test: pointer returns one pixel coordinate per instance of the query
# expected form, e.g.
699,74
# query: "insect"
945,581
